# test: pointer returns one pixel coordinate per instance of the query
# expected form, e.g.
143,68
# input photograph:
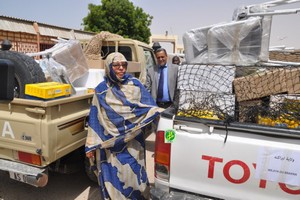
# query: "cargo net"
263,95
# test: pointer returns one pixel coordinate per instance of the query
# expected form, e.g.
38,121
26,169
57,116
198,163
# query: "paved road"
74,186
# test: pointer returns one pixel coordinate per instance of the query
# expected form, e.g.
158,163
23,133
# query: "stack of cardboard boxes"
274,84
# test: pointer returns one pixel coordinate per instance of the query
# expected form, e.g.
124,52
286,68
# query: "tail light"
30,158
162,157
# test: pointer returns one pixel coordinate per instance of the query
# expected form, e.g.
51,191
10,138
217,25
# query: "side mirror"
7,74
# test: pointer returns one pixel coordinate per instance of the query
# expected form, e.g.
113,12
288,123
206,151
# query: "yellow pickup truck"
37,135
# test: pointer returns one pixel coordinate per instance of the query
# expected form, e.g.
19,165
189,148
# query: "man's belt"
164,103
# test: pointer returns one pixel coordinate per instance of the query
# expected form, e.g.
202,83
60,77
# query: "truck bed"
37,133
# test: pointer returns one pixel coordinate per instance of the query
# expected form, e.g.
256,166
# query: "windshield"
149,58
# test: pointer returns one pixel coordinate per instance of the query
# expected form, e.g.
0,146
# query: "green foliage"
120,17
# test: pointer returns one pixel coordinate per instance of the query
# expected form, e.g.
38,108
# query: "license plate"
18,177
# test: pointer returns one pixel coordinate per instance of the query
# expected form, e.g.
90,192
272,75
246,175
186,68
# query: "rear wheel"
27,70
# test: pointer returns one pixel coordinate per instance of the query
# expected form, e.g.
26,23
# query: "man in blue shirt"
162,79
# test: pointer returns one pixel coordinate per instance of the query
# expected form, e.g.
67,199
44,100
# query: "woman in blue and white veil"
121,114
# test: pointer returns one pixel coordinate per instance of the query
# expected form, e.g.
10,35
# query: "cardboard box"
249,110
267,83
261,84
285,103
80,90
293,80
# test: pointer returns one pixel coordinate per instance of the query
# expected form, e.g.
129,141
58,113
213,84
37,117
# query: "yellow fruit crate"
206,114
48,90
282,121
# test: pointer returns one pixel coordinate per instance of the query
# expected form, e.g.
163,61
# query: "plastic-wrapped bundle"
195,45
70,54
206,78
235,43
241,14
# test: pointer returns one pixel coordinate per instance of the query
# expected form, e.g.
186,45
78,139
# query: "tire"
27,70
89,172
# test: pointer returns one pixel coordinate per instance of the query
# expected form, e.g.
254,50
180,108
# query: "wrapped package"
243,42
195,45
90,79
265,40
241,14
56,71
235,43
70,54
206,78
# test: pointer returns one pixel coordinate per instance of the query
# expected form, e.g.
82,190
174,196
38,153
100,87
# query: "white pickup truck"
235,131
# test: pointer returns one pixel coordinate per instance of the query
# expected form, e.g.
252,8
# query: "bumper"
157,194
25,173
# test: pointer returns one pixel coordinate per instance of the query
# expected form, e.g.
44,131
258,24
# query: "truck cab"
139,55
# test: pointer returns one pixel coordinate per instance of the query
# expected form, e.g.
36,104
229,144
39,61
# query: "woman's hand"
90,154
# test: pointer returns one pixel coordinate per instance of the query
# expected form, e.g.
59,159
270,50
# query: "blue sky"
174,16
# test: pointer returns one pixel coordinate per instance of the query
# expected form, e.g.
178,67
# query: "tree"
120,17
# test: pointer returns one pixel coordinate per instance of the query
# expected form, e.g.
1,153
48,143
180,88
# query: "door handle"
186,128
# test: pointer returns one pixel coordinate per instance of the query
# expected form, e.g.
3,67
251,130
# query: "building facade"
31,37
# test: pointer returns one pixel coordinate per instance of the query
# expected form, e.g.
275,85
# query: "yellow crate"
281,121
206,114
48,90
